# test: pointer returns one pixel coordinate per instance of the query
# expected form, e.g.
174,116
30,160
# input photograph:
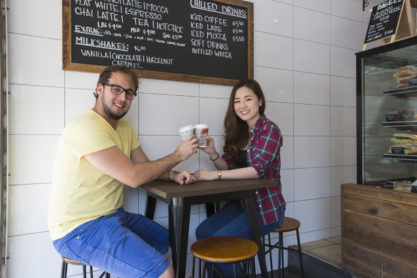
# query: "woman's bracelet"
218,155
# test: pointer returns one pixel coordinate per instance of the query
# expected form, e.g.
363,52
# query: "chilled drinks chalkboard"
384,20
188,40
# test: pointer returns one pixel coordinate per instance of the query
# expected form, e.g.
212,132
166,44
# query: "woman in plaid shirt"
251,151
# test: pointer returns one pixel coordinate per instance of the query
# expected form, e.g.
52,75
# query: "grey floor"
328,250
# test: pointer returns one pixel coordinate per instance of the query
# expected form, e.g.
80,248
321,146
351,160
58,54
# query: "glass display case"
387,113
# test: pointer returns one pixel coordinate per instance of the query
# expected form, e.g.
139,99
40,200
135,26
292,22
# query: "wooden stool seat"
222,249
289,224
70,261
225,249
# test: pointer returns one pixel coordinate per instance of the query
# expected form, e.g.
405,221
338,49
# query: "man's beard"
109,113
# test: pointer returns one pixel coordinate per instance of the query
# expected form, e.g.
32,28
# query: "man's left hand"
184,177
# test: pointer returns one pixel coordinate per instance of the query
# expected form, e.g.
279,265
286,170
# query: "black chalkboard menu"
384,20
186,40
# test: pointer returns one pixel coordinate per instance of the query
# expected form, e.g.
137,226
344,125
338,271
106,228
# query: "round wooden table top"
290,224
224,249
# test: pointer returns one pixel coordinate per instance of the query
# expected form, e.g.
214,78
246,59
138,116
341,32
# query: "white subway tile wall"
277,84
81,80
77,101
343,62
343,121
349,9
311,57
311,88
311,151
282,115
310,120
274,18
341,35
41,69
214,120
27,109
304,30
312,183
42,17
341,91
322,6
287,153
304,59
273,51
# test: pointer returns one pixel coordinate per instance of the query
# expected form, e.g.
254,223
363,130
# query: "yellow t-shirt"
81,192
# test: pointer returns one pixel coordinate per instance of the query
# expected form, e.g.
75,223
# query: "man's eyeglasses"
118,90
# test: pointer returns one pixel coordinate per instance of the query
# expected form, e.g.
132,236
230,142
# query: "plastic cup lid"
186,128
201,126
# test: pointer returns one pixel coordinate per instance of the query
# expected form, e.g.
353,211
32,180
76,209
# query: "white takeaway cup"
186,131
201,133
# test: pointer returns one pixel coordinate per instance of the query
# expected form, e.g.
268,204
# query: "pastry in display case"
387,114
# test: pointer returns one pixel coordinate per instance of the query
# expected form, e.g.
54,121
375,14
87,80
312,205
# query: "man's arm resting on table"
138,156
116,164
184,177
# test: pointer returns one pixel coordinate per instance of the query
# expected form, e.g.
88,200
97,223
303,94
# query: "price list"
194,37
384,20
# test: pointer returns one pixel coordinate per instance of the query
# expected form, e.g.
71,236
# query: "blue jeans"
123,244
232,220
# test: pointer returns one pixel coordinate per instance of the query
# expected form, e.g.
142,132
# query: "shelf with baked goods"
389,183
402,157
410,91
401,124
386,106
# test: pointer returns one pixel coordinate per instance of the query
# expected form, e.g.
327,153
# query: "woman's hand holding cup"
210,149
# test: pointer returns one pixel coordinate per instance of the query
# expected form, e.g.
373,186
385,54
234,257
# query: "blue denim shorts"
123,244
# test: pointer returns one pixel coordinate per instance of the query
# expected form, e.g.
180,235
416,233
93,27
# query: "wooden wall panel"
373,192
361,270
379,232
399,212
378,260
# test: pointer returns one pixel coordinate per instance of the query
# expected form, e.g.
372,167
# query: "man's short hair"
107,72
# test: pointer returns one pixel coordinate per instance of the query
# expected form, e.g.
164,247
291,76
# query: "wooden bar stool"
66,261
289,224
225,249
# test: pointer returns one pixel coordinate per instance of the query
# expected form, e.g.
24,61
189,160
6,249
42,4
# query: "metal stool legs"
64,270
300,254
248,267
280,246
104,274
281,265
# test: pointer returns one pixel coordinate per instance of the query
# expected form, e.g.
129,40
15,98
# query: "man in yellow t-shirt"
99,153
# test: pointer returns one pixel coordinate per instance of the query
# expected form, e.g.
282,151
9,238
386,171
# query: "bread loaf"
406,149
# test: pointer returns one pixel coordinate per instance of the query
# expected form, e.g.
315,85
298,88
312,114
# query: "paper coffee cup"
201,133
186,131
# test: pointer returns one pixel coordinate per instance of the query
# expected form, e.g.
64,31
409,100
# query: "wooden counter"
379,231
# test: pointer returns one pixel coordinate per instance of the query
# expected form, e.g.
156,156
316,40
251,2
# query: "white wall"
304,61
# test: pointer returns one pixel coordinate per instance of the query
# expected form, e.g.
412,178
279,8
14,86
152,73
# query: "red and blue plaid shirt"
264,155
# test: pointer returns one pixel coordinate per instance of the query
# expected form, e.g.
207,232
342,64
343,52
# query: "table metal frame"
180,209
